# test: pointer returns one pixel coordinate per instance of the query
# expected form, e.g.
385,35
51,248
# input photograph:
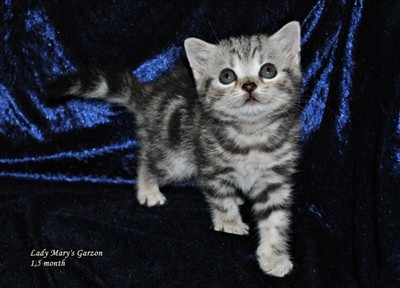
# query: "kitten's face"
247,78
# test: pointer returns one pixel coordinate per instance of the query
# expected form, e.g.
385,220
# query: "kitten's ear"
288,39
198,53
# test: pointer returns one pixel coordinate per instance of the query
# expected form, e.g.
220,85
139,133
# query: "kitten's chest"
251,153
252,170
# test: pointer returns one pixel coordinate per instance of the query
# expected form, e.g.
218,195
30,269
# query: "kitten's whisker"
213,31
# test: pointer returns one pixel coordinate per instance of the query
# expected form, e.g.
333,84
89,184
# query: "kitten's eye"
227,76
268,71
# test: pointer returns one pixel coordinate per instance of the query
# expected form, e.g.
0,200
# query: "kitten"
234,128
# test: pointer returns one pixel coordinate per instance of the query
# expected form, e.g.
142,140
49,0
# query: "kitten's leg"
148,192
272,211
224,208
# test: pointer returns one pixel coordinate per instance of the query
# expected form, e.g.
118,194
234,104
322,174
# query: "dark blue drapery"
67,172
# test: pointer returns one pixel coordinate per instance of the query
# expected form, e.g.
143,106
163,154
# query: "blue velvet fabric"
67,173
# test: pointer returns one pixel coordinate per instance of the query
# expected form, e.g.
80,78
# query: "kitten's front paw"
151,198
274,265
232,228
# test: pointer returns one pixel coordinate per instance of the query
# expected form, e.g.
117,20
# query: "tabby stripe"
216,204
285,127
223,170
207,86
283,170
266,212
230,146
264,195
274,146
174,126
234,149
289,72
222,204
239,56
162,107
256,47
214,173
283,114
219,193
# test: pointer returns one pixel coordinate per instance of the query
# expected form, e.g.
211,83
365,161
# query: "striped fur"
233,142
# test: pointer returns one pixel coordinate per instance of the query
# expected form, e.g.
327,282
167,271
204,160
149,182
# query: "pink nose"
249,87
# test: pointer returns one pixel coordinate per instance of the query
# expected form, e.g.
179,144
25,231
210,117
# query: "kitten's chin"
251,101
252,110
251,106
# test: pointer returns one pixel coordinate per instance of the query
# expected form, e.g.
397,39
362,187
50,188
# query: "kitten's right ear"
198,53
288,40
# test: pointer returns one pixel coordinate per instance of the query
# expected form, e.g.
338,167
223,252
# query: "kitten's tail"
119,88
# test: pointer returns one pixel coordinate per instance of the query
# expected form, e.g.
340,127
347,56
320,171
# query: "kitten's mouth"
250,100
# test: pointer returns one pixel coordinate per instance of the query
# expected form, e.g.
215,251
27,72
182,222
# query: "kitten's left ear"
288,39
198,53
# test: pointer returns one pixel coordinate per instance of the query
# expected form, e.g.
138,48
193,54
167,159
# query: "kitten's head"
247,78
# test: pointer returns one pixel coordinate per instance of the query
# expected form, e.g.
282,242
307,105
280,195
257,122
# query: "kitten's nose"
249,87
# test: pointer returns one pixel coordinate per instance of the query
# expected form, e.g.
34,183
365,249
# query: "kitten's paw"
274,265
151,198
232,228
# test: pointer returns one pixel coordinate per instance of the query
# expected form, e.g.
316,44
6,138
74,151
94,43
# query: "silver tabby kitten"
235,129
